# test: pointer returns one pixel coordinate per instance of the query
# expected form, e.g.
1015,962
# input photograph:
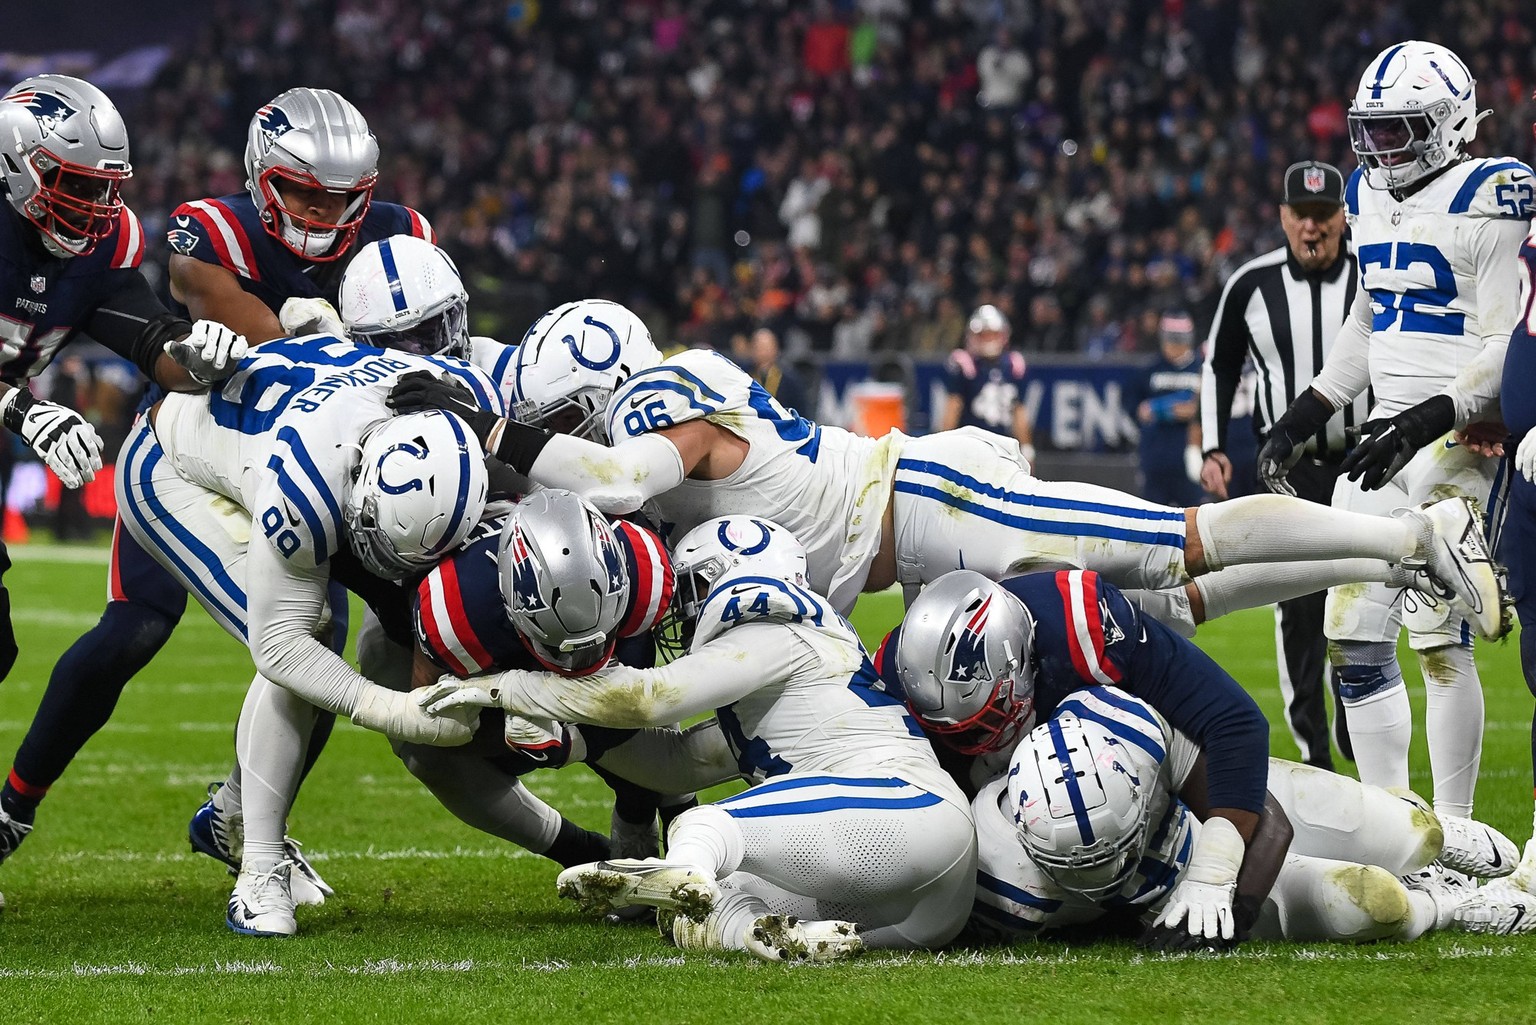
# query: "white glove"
301,316
1203,898
452,696
209,352
1193,463
399,717
543,741
59,435
1525,456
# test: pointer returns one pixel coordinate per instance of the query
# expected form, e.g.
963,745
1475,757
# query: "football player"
1438,234
1099,812
844,776
69,257
984,382
977,661
698,438
298,454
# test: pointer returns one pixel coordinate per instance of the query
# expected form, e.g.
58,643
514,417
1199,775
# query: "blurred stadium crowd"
857,175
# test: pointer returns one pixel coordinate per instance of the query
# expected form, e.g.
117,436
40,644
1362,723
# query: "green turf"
111,919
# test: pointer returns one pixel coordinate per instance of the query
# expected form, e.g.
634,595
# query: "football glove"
1525,456
1386,446
1287,439
311,316
59,435
544,742
1198,913
451,695
421,390
209,352
399,717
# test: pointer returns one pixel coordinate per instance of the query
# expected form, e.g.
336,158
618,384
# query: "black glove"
1386,446
1286,440
421,390
1164,940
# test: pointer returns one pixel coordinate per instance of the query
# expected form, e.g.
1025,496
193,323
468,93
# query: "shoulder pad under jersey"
1495,187
691,385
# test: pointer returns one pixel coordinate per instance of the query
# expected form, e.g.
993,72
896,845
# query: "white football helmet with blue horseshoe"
1414,113
420,489
572,360
715,552
405,293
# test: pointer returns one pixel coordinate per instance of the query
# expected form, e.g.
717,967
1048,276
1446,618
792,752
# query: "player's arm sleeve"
728,668
1496,255
134,323
1347,370
284,601
1228,347
671,761
617,480
1199,699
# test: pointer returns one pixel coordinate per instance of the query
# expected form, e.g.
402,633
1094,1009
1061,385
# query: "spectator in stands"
777,378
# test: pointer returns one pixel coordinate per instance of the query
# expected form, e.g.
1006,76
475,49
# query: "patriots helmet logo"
50,110
273,122
969,662
181,241
613,559
525,576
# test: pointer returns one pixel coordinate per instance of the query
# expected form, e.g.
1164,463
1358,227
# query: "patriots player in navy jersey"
984,382
69,258
236,260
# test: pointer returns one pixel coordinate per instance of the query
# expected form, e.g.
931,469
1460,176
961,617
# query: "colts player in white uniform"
697,437
299,446
852,837
1089,822
1438,235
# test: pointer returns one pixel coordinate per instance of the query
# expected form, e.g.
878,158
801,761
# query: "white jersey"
1440,280
1015,896
827,486
498,361
281,437
790,683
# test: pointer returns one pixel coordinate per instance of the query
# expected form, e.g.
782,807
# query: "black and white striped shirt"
1285,320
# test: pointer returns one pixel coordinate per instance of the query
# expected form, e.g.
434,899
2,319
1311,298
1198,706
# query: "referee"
1282,310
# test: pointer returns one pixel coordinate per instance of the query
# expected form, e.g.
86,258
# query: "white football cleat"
222,837
601,886
1447,889
262,904
1476,849
1498,909
307,886
787,938
1456,556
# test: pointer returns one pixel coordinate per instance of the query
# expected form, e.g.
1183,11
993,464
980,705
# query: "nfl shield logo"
39,283
1312,179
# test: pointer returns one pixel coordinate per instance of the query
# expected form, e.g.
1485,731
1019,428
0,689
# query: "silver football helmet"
420,489
63,159
573,359
311,138
963,658
563,580
1080,808
718,550
405,293
1414,113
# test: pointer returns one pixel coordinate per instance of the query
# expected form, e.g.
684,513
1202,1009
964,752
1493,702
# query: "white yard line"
60,553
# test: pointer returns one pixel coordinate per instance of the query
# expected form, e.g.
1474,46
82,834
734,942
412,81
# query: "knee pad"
1375,905
1367,669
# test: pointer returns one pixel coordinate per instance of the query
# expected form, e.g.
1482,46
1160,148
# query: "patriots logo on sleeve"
181,241
50,111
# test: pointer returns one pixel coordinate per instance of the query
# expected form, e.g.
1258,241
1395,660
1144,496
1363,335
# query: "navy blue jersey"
990,389
462,624
1167,385
229,233
1088,633
47,300
1517,395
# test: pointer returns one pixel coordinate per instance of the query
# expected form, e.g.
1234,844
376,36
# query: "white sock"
1453,725
1248,587
226,799
1278,528
707,838
1380,728
1423,916
270,741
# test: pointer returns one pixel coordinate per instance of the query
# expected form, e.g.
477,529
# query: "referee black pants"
1303,649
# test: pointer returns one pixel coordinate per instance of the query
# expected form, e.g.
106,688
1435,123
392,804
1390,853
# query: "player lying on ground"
696,437
977,661
299,454
1098,817
799,865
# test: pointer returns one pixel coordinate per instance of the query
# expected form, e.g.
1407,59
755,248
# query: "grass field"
112,919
